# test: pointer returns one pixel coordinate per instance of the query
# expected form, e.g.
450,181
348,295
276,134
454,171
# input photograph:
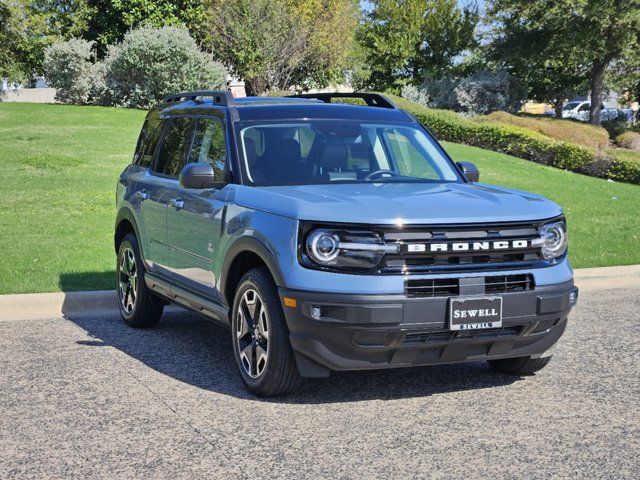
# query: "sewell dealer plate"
475,313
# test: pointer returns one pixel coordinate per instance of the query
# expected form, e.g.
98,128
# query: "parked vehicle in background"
334,237
579,110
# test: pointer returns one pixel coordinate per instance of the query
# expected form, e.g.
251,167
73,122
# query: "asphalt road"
91,398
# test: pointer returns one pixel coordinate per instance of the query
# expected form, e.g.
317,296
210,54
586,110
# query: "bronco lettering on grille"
469,246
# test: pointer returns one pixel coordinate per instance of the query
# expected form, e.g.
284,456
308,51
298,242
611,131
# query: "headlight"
346,249
553,240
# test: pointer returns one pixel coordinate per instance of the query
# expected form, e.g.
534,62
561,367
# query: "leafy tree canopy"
415,39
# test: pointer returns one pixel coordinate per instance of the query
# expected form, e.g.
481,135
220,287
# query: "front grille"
508,283
417,338
440,287
415,254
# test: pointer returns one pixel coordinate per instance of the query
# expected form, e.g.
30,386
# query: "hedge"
524,143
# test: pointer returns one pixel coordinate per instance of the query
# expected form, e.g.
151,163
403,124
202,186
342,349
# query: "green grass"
61,163
57,194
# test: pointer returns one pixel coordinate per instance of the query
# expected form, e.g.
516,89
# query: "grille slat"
432,288
449,287
419,338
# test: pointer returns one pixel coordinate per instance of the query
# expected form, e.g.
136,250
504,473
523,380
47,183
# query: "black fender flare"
124,213
250,244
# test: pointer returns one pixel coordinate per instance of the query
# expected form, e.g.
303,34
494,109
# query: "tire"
139,308
520,365
261,338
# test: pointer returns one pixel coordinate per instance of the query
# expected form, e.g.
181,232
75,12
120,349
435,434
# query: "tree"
278,44
556,44
415,39
29,27
112,19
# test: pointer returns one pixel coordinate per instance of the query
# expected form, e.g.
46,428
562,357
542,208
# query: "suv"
333,236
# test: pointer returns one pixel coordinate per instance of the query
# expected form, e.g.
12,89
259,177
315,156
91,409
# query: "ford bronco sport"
332,236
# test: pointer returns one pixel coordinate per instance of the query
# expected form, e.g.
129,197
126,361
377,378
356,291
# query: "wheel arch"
245,254
125,224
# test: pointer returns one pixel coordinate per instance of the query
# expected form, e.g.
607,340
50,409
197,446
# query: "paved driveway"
89,397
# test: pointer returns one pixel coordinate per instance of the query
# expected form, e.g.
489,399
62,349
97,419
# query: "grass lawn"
61,164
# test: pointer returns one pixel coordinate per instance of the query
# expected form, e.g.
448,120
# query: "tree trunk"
597,79
557,107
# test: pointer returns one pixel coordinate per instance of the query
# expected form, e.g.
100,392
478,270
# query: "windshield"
330,151
570,105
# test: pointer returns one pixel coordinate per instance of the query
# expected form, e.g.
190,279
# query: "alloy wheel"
128,280
252,333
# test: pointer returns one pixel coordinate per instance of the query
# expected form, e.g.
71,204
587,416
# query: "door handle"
177,204
142,195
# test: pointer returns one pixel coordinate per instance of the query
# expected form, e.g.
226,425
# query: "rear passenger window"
173,151
209,145
148,139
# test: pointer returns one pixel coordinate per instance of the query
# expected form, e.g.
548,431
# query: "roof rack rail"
219,97
371,99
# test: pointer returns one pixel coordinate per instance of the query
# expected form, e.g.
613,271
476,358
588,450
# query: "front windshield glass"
570,105
329,151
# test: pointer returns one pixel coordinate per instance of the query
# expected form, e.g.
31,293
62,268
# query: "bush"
485,92
69,69
630,140
565,130
625,165
153,62
524,143
434,94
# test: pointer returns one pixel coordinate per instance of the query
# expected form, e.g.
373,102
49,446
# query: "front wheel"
520,365
261,338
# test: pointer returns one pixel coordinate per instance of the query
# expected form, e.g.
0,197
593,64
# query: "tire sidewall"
253,281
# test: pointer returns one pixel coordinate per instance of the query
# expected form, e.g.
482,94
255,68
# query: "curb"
104,302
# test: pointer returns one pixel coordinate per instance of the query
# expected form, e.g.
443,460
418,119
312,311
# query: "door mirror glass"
470,171
199,176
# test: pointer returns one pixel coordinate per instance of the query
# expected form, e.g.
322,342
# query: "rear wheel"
139,307
520,365
261,338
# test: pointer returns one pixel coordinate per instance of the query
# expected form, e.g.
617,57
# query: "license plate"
475,313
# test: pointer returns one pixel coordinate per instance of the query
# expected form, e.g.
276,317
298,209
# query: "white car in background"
580,111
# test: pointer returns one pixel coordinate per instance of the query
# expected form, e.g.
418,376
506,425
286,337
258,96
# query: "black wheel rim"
252,334
127,280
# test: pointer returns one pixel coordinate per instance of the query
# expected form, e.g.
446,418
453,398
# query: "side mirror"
199,176
470,171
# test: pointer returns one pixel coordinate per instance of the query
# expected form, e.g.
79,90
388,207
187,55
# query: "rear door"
194,217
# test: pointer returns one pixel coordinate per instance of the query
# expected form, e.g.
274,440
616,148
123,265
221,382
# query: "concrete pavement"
88,397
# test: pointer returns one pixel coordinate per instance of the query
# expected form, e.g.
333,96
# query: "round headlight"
553,238
323,246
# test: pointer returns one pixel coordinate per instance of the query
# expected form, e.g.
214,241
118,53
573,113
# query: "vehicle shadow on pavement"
198,352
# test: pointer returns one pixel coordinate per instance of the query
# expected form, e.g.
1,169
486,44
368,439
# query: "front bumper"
359,332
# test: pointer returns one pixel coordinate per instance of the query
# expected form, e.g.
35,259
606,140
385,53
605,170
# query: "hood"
399,203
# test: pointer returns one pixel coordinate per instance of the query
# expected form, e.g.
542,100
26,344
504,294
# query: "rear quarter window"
148,139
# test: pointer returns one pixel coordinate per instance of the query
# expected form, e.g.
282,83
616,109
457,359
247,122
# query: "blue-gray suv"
334,235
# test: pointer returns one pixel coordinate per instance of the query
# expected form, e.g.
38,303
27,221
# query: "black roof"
319,106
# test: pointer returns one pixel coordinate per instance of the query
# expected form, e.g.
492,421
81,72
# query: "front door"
161,185
194,217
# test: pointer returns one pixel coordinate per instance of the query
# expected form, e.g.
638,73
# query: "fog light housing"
316,312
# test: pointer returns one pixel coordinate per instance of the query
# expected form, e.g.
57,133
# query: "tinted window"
173,150
148,139
209,145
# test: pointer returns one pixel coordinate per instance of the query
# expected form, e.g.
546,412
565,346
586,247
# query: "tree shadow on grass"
198,352
79,281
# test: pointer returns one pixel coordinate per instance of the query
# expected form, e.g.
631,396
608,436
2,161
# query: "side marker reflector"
290,302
